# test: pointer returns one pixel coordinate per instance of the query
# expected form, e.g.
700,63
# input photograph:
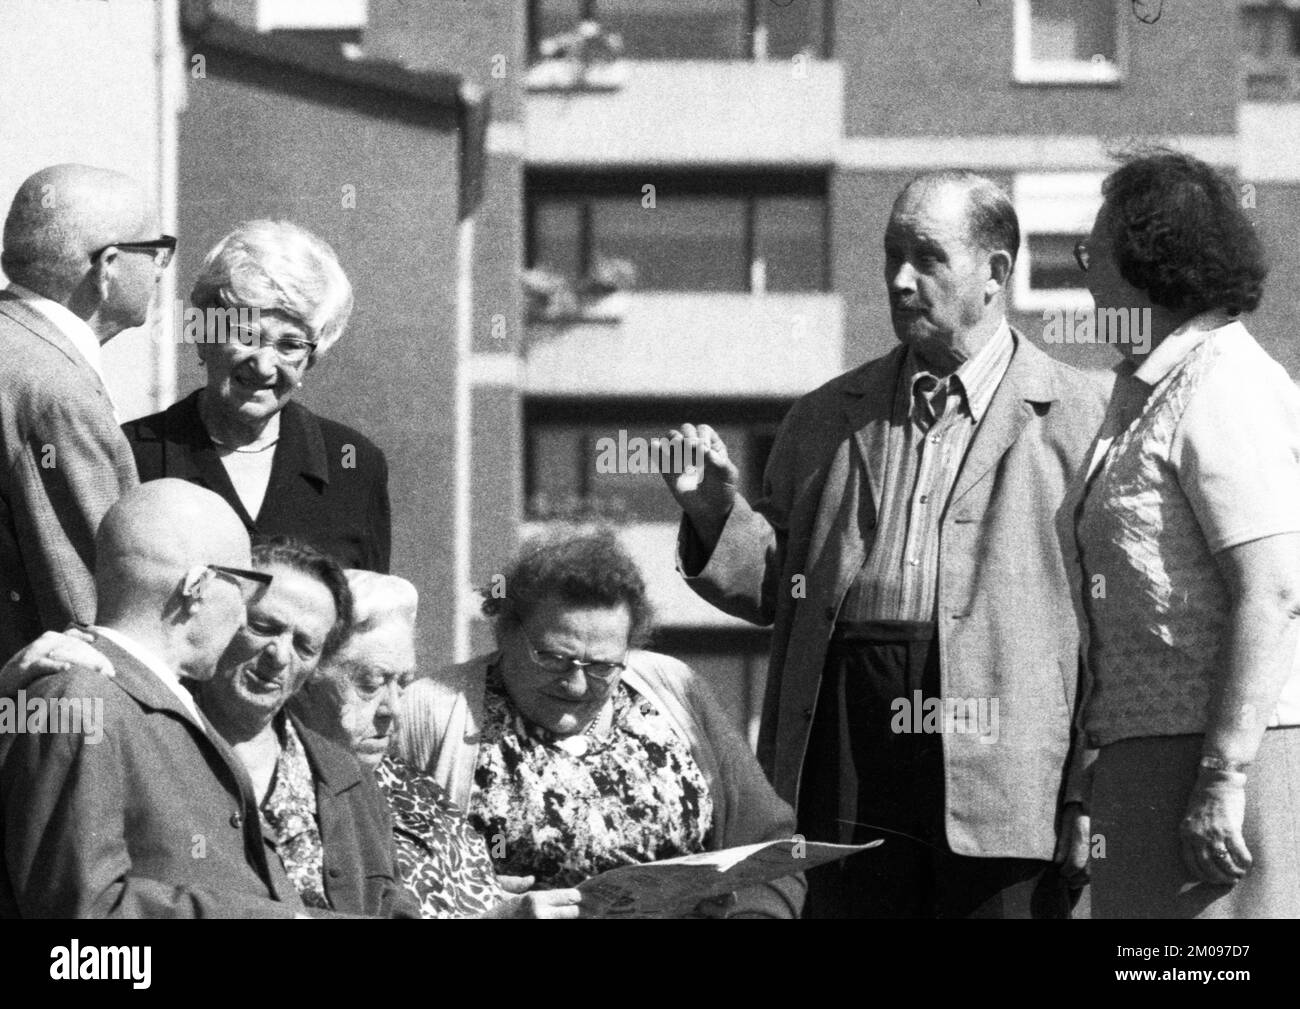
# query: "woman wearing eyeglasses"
275,300
574,751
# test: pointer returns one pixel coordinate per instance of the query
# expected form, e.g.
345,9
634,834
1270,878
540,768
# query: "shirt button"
236,820
808,713
925,498
830,612
14,596
334,872
914,562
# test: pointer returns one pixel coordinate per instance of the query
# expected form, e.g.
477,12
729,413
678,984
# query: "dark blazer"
329,483
64,464
156,819
356,829
1007,628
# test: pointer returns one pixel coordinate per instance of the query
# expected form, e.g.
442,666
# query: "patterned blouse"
440,859
1211,460
565,810
289,810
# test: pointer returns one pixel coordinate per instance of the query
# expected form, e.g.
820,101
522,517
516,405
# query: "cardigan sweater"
438,732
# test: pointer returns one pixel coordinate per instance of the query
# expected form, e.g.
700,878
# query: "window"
570,445
689,233
1271,50
1069,41
1056,210
693,29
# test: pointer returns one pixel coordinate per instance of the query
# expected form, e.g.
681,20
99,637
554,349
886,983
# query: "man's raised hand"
702,478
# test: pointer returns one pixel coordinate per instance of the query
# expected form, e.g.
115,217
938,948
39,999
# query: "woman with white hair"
274,300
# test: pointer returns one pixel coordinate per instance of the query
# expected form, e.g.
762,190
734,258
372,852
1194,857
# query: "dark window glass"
1072,29
570,452
678,29
554,17
796,27
700,235
790,238
1052,263
1293,26
557,235
683,243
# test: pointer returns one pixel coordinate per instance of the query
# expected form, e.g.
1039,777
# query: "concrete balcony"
691,344
693,113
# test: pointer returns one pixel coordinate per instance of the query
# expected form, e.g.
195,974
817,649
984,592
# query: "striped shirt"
931,428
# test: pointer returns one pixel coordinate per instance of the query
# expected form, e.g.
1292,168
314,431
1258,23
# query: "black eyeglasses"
287,349
557,664
241,574
1081,255
163,249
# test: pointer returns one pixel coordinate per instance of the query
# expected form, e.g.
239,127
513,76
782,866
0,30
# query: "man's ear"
1000,265
194,585
104,271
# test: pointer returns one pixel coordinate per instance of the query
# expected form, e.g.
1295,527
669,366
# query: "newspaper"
672,888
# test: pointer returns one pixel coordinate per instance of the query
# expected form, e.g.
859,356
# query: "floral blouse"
441,861
289,810
565,810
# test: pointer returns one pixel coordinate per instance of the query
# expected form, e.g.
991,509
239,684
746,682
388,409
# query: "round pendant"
575,746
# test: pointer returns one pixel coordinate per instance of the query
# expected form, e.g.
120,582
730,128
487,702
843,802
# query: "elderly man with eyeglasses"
284,470
83,262
156,817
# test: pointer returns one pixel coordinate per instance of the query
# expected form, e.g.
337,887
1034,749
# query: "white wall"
98,81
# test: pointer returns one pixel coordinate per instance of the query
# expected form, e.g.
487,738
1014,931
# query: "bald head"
383,630
60,216
153,536
987,209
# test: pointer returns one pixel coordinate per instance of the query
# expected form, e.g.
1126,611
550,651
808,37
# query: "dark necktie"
930,397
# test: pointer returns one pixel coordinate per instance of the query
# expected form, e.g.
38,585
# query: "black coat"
356,831
329,483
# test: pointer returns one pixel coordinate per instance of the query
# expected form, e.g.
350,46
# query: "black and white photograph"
651,459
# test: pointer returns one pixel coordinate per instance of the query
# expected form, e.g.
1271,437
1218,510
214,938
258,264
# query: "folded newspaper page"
672,888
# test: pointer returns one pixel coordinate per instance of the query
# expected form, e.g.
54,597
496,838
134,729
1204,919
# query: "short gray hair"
278,266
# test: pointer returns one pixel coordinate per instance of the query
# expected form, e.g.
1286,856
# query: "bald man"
157,819
924,662
83,257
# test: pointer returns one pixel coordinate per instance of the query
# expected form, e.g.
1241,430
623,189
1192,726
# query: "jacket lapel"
300,454
41,327
1027,383
868,411
188,454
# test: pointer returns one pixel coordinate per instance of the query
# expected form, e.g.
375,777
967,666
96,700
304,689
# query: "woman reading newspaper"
573,751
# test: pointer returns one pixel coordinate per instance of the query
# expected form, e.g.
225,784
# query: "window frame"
750,187
1027,70
1052,203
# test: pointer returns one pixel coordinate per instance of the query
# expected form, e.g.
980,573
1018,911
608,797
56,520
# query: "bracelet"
1211,763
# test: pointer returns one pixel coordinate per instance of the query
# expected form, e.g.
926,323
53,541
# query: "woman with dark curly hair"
1189,539
573,750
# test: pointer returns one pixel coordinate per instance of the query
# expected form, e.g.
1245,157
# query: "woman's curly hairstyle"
298,556
581,569
1180,234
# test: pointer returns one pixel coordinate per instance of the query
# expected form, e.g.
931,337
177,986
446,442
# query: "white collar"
79,334
154,664
1170,352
